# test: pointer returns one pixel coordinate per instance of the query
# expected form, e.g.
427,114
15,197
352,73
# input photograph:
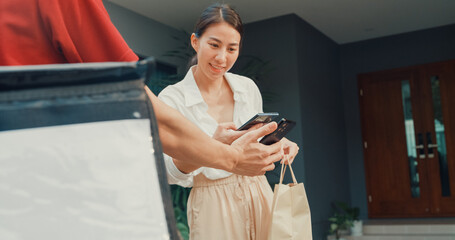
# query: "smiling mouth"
217,67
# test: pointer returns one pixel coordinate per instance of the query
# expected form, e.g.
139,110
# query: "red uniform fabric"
59,31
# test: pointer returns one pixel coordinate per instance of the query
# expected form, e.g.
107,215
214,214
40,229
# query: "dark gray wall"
305,76
274,40
402,50
144,35
323,130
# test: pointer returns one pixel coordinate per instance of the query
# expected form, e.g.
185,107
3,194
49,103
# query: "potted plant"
345,217
352,214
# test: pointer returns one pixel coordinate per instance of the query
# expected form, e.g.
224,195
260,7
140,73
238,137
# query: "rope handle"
283,170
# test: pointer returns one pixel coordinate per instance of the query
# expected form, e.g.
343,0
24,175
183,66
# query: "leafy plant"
255,68
342,218
183,51
179,201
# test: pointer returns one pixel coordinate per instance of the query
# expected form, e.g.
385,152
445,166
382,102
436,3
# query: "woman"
221,205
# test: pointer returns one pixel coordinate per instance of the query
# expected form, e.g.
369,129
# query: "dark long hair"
217,13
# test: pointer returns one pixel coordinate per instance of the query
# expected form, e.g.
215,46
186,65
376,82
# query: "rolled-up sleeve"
175,176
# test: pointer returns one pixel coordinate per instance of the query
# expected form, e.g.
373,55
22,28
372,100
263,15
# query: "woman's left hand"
290,151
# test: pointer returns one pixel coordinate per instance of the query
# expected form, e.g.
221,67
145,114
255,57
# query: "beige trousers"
232,208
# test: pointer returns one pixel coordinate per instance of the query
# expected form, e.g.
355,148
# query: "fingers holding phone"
284,126
225,133
262,155
290,149
256,157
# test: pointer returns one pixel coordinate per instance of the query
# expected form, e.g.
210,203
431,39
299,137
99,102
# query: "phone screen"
259,118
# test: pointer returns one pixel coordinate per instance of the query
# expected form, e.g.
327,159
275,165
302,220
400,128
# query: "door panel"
408,128
391,166
439,82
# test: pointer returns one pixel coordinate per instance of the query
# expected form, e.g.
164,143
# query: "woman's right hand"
227,133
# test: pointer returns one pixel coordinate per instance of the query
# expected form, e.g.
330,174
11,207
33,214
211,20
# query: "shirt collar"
193,95
191,92
237,85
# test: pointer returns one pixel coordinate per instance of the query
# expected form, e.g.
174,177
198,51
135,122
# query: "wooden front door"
408,128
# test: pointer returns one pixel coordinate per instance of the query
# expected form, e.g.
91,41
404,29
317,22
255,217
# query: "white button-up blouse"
187,99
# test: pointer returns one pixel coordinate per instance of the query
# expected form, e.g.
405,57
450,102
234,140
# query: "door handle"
420,147
430,146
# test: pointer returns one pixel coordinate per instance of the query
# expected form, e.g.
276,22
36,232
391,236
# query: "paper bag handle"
283,170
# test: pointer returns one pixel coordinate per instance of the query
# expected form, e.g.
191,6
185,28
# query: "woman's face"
217,50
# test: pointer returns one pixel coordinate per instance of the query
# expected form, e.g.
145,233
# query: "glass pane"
410,138
440,137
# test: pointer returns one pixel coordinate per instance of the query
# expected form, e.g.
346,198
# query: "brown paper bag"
291,217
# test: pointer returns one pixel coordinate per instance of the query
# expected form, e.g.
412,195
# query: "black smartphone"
259,118
284,126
